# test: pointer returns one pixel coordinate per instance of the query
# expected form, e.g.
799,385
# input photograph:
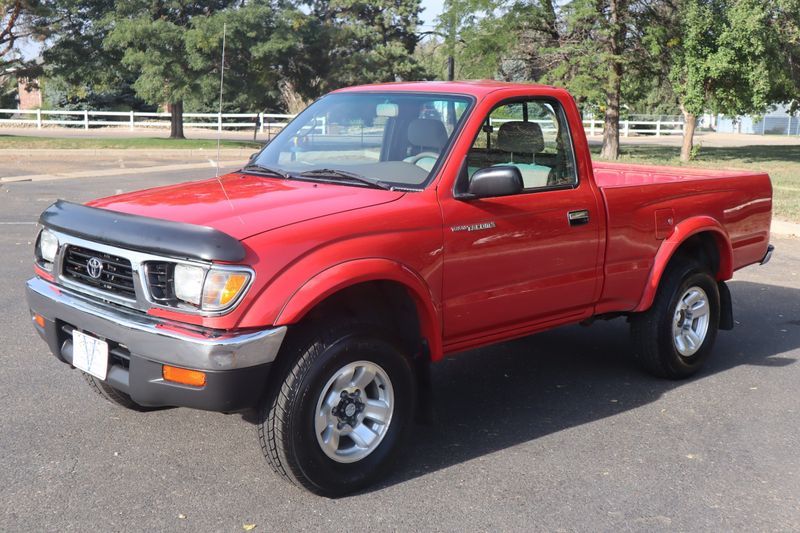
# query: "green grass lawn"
22,142
782,163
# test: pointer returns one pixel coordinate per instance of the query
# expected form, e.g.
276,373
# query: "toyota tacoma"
385,228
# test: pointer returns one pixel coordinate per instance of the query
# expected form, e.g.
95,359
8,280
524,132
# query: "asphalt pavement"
554,432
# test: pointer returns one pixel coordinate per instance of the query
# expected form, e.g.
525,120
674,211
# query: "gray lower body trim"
154,339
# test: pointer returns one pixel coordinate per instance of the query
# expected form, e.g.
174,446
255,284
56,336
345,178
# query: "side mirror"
494,181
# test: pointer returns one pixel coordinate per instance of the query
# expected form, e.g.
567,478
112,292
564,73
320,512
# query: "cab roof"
477,88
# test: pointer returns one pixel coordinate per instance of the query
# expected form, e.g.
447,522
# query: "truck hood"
243,205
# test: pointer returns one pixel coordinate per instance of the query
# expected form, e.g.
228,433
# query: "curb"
783,228
122,152
117,172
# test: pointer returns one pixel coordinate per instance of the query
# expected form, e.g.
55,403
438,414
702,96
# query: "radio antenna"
221,86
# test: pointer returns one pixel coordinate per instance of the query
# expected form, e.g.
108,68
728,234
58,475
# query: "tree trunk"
611,132
690,122
176,120
614,46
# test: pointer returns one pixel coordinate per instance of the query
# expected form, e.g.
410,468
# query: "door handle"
578,218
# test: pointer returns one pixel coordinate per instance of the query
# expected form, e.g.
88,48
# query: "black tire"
286,420
652,331
111,394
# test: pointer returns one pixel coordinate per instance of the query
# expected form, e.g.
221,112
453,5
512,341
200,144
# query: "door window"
531,135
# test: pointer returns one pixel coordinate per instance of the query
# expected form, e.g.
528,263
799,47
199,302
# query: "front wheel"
336,421
111,394
676,335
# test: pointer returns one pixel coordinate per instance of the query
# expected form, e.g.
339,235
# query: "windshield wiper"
261,169
334,173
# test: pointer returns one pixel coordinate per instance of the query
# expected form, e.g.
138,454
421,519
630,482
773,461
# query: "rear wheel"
676,335
336,419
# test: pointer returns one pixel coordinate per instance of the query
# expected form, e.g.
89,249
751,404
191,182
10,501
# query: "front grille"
160,280
115,276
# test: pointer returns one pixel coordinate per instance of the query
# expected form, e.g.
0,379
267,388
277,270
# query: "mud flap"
725,307
422,370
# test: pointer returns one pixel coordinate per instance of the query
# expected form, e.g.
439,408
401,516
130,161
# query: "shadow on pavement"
497,397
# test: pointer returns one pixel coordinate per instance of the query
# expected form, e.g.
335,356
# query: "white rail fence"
268,122
636,127
135,119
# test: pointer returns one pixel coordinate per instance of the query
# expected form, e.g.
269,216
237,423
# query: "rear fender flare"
347,274
666,251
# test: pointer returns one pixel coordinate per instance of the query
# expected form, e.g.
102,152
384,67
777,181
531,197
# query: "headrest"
427,133
520,137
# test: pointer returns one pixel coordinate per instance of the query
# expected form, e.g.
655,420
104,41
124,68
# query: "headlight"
47,246
189,283
211,289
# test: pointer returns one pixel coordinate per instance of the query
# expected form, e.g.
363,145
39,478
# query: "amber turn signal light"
39,319
195,378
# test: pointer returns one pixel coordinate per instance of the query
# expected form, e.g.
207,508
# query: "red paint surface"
533,271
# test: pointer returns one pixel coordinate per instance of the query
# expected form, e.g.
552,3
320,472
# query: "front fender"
684,230
349,273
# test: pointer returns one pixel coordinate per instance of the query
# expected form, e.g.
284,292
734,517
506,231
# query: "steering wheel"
414,159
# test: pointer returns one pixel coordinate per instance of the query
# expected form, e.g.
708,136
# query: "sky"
432,9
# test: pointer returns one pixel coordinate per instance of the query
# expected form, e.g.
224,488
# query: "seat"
428,137
519,138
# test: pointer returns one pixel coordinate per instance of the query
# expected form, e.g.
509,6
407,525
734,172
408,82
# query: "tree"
588,46
271,54
368,41
76,30
786,73
470,40
80,73
277,54
152,39
722,60
10,12
17,17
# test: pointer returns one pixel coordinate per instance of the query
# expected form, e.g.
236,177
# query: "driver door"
516,261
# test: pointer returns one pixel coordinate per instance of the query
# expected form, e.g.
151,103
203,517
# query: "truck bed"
641,201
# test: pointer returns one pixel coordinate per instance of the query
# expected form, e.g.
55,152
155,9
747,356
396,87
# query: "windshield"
394,139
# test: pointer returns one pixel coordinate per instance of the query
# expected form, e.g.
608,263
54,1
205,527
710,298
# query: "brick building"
30,96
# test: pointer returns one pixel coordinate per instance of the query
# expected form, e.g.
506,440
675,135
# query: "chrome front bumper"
152,338
236,365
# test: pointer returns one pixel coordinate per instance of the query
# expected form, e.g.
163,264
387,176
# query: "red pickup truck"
384,228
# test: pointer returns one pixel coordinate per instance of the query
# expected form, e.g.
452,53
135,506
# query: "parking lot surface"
555,432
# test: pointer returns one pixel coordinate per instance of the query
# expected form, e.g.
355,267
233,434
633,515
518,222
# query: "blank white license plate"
89,354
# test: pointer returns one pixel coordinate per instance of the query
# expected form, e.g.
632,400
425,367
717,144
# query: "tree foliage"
615,56
475,34
153,40
17,18
724,60
589,46
372,40
278,52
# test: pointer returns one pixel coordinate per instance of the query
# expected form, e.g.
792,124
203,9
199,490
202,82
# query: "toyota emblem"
94,267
